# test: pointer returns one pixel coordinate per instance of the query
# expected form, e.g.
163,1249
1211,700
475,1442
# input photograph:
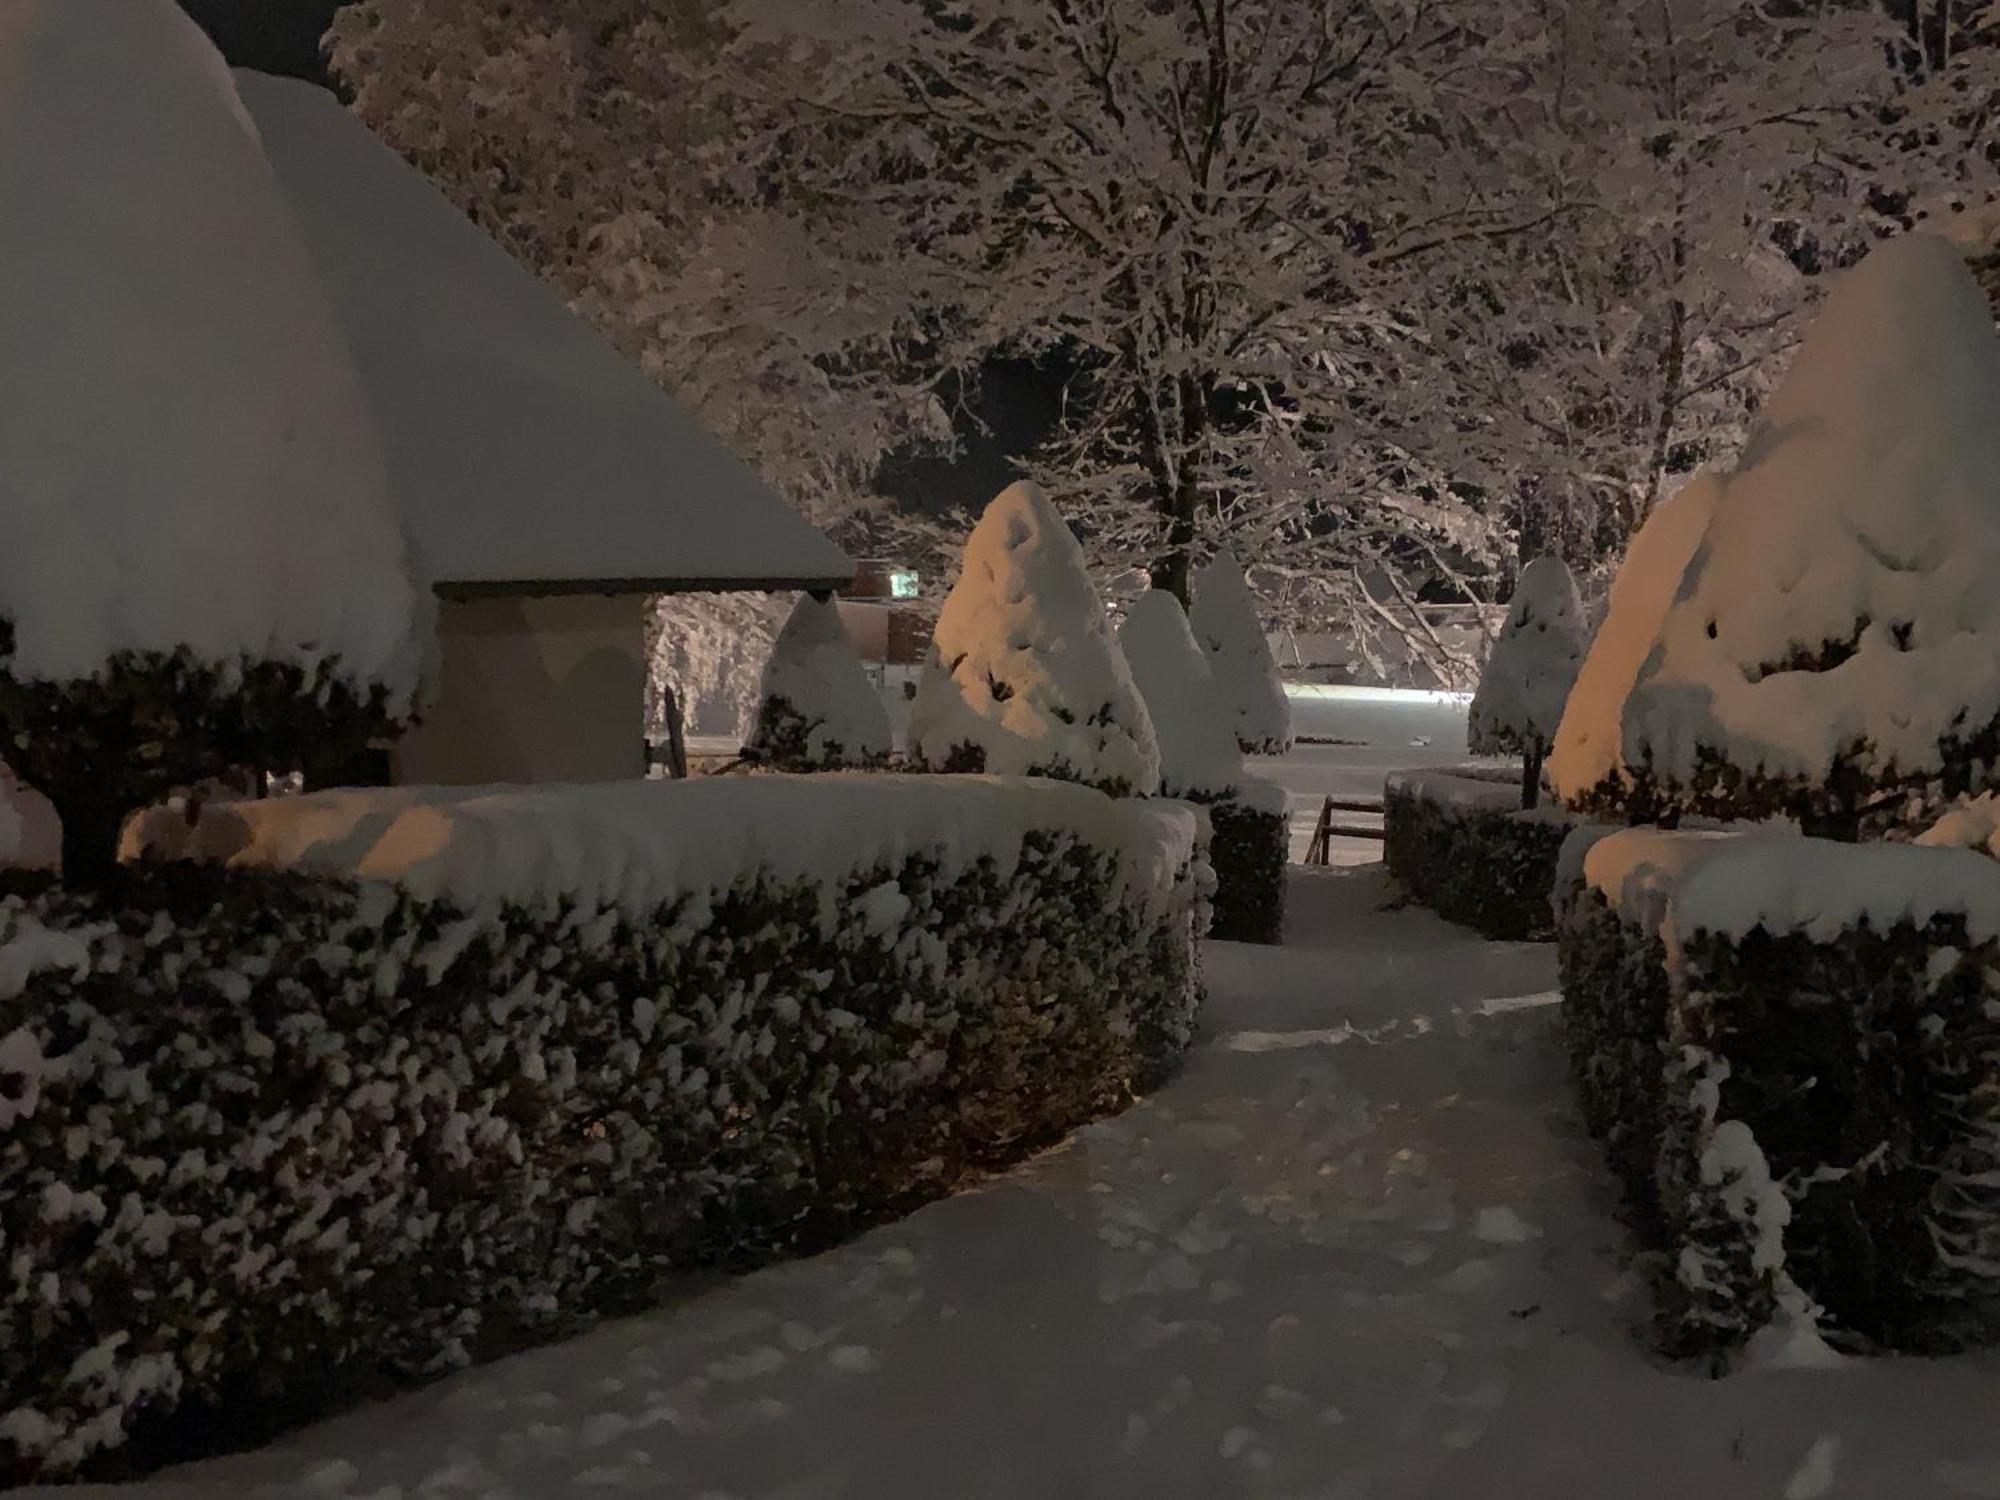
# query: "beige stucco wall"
534,690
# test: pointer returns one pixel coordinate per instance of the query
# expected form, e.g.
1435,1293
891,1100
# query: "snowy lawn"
1358,1248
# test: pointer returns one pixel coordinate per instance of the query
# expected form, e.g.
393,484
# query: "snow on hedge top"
1467,790
1731,883
638,846
819,707
1199,756
1842,601
1534,662
185,454
1225,621
1588,751
1023,675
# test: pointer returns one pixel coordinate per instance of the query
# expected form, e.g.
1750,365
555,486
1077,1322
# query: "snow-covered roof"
530,455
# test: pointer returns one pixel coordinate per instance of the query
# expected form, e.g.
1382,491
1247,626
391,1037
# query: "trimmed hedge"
1490,867
267,1137
1249,848
1801,1117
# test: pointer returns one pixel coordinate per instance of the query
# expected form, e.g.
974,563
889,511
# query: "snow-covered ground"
1381,730
1356,1250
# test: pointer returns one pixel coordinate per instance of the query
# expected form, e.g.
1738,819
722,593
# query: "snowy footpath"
1357,1248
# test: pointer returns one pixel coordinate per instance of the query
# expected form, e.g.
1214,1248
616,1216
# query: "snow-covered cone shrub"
1024,677
203,568
1833,649
1225,620
1786,1046
1458,841
1530,671
557,1044
819,711
1586,764
1200,761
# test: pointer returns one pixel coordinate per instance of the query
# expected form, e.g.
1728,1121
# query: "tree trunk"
1171,569
1531,777
91,823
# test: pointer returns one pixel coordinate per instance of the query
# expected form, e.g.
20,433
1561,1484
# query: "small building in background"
551,488
880,609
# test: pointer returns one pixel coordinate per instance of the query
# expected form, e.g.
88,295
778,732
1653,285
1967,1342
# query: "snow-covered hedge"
819,711
1459,841
410,1077
1831,648
205,568
1249,850
1200,761
1788,1048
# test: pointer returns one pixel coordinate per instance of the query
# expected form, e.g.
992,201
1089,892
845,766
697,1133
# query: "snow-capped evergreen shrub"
1786,1045
819,710
1201,762
1528,675
1225,620
1833,650
1586,764
203,569
1459,842
262,1122
1024,677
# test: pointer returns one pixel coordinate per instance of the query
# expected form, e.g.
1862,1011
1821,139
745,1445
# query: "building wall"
534,690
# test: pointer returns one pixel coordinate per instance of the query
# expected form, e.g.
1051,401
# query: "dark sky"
273,36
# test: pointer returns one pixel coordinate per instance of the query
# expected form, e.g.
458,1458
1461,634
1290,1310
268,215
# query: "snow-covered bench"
417,1073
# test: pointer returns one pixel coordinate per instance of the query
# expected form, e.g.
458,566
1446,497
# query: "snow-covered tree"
1530,671
819,710
1024,677
708,652
1185,206
1375,292
1199,757
570,131
1833,649
204,569
1697,164
1250,694
1586,764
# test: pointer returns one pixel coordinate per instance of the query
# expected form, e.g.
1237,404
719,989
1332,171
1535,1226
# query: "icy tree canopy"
1023,676
186,457
1534,662
1199,757
1225,620
1839,619
819,709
